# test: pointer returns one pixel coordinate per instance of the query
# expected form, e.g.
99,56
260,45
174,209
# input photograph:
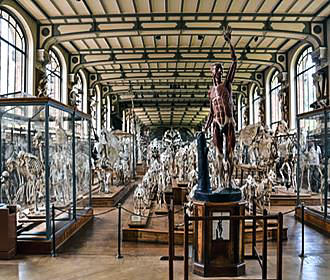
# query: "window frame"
255,98
19,30
299,60
274,90
50,72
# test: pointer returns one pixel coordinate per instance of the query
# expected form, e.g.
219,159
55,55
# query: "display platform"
314,218
117,195
137,221
285,198
34,240
156,230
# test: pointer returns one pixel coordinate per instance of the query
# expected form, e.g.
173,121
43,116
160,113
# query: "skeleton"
161,187
214,168
245,140
60,166
82,168
5,187
32,170
108,153
264,190
74,95
304,159
42,90
139,200
248,191
181,158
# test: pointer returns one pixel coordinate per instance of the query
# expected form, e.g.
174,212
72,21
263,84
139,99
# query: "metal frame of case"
48,103
324,116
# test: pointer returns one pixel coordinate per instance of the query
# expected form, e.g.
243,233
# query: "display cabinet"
313,158
44,158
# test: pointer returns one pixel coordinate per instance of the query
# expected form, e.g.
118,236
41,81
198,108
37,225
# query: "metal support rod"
302,254
279,246
298,162
47,172
254,227
29,136
264,246
119,256
325,171
53,231
90,164
170,241
74,181
241,181
185,242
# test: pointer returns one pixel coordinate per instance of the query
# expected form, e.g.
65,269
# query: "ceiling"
158,52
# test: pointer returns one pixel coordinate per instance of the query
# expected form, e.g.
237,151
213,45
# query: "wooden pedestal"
179,192
219,247
7,232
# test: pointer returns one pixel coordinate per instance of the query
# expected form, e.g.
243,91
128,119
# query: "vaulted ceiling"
158,52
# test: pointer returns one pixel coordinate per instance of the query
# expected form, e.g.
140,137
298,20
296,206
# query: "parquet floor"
91,255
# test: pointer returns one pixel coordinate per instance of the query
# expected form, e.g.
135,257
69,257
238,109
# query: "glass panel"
306,94
11,70
60,158
83,172
22,159
313,155
53,70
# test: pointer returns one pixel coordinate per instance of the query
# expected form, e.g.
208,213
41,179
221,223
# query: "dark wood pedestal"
219,246
7,232
179,192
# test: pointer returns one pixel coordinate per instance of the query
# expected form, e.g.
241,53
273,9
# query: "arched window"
12,56
275,110
54,74
255,105
305,94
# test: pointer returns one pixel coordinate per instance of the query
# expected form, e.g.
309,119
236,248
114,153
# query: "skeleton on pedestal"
75,93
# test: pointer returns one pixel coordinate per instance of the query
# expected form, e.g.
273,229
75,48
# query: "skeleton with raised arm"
221,112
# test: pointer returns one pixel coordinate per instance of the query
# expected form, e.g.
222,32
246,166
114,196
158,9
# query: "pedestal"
219,246
7,232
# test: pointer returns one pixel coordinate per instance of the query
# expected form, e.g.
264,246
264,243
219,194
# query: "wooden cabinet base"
212,271
219,244
5,255
7,232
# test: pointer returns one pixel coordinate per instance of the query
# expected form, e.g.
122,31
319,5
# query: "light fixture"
157,37
200,37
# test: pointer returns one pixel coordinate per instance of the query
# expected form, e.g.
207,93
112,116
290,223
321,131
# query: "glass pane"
314,165
60,158
4,68
83,172
22,159
11,70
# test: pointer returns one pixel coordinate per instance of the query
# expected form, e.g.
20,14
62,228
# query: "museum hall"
164,139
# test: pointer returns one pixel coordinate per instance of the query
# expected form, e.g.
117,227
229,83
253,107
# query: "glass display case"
313,158
44,159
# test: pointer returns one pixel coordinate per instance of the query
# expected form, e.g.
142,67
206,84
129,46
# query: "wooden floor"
91,255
